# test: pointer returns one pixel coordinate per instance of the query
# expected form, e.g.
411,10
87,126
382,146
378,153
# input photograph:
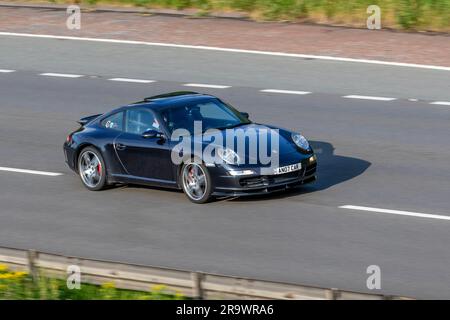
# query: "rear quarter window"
113,122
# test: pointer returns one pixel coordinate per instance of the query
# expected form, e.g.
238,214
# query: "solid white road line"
270,53
62,75
285,91
441,103
397,212
6,71
42,173
202,85
352,96
131,80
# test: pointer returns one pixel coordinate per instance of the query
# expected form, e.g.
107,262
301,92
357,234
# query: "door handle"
120,146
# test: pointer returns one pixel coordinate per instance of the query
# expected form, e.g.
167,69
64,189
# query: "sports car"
140,144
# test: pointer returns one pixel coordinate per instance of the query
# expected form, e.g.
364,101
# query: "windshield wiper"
233,126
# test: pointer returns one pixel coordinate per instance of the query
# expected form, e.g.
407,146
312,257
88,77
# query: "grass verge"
427,15
16,285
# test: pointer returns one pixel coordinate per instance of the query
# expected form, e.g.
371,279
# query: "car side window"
211,111
114,122
140,120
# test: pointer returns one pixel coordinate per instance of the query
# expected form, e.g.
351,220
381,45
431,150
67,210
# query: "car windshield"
213,114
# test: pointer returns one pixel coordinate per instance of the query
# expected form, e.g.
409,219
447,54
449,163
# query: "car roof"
172,99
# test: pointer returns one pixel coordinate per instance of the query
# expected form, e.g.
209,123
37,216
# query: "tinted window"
114,121
213,114
212,111
140,120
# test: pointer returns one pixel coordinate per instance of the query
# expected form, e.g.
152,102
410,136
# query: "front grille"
285,176
310,170
262,181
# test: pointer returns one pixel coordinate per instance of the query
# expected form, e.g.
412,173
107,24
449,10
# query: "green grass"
20,286
402,14
429,15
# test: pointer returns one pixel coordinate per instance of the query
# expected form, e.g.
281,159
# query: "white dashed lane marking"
203,85
42,173
61,75
131,80
397,212
217,86
285,91
441,103
352,96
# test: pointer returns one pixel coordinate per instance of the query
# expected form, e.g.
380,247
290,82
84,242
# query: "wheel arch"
83,146
186,158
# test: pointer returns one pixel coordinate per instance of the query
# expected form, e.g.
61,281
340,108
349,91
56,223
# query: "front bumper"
227,185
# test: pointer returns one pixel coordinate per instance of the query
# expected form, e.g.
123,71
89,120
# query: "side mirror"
245,115
152,134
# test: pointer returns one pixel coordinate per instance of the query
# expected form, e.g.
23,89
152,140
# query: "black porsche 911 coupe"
189,141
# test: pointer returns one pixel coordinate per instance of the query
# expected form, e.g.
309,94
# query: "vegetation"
19,286
403,14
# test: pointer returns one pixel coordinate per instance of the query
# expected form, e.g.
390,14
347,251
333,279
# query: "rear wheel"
92,169
196,182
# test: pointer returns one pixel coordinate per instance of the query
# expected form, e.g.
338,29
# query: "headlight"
228,156
300,141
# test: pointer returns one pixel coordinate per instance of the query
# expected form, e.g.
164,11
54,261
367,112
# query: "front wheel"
196,182
92,169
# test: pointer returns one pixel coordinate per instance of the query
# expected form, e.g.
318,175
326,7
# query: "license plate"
289,168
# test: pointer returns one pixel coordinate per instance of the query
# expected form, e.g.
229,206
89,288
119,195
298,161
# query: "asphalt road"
383,154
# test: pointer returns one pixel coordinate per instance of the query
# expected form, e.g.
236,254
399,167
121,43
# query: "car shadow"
332,169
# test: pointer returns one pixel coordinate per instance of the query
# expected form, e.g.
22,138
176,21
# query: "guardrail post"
331,294
197,290
32,268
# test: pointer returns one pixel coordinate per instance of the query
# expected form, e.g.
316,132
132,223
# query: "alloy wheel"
194,181
90,169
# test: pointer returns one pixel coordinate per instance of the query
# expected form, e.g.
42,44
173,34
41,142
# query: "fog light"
312,159
241,172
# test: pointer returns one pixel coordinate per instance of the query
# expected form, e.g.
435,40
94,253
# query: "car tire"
195,181
93,173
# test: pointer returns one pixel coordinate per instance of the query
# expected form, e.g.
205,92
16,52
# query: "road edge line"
223,49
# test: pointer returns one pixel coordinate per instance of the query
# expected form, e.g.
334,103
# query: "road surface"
388,149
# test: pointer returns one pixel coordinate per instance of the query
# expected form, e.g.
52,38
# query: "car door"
145,158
